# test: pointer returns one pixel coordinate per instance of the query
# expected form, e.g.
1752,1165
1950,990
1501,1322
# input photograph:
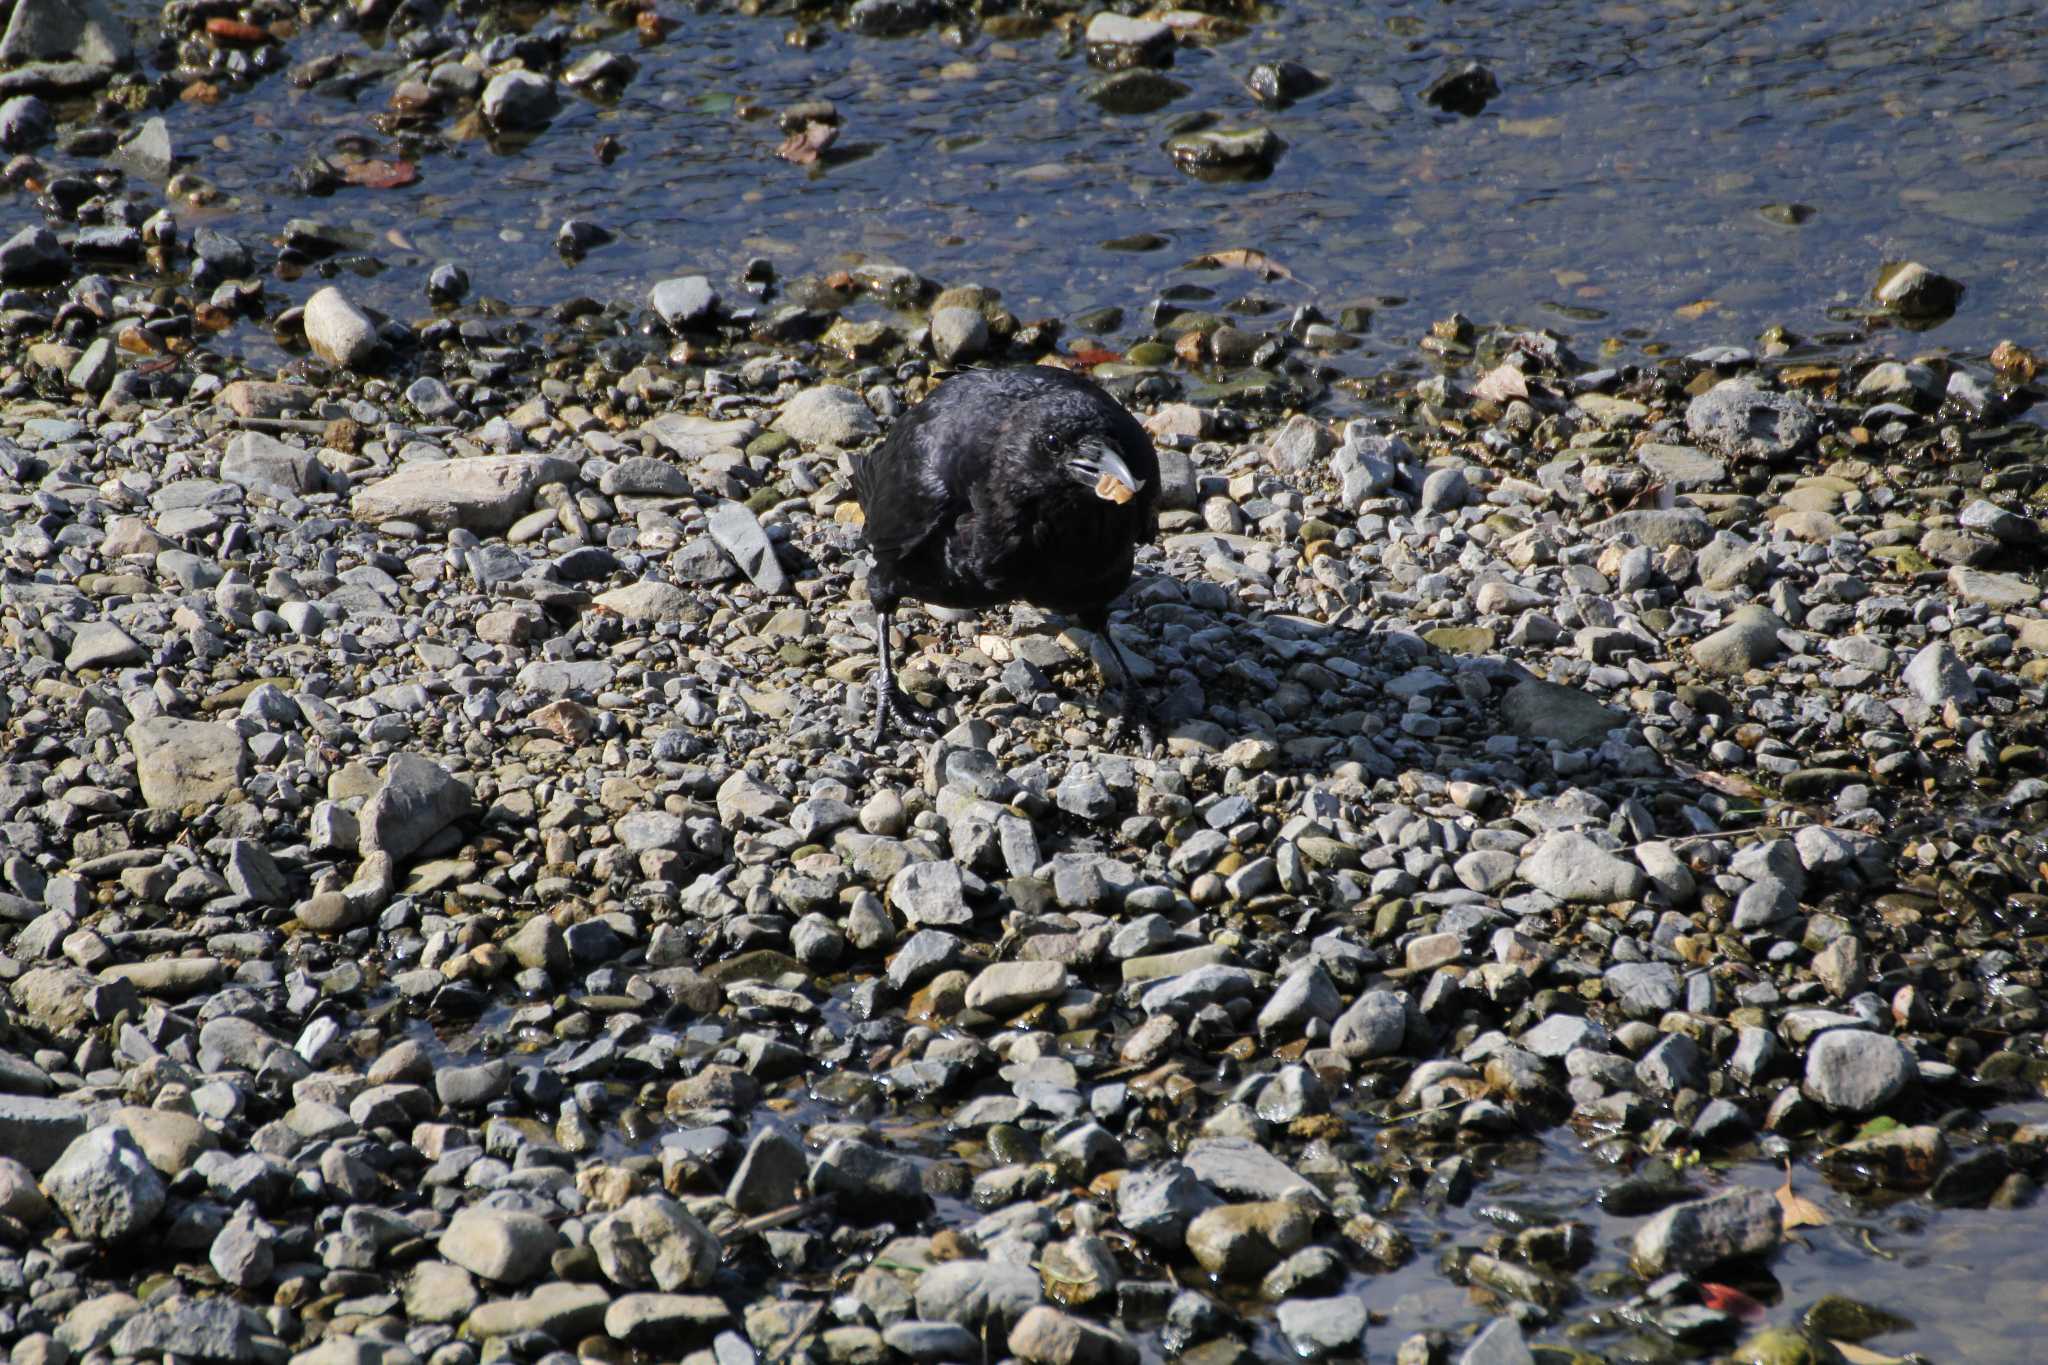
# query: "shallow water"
1663,173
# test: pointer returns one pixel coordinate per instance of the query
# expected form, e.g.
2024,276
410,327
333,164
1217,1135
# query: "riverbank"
1589,899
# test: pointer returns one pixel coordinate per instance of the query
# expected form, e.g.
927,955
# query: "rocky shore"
448,913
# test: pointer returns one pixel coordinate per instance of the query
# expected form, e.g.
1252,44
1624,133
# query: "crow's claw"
1137,720
892,705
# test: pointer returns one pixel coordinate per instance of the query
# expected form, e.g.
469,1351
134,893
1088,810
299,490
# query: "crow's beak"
1098,465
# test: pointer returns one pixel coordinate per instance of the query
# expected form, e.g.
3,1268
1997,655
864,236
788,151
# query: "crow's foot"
892,705
1135,718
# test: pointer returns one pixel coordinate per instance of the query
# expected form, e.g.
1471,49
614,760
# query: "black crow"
1027,484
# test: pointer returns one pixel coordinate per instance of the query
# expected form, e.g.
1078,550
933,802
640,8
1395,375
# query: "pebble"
339,332
684,302
1857,1072
827,415
499,1245
105,1187
520,101
1572,867
1699,1234
1744,422
1241,1242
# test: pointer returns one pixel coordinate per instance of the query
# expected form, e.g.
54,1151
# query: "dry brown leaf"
2015,362
1800,1212
380,175
1729,784
1502,384
1244,258
1863,1355
1698,309
235,33
1649,495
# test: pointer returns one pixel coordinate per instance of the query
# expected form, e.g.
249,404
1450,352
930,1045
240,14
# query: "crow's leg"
890,702
1137,712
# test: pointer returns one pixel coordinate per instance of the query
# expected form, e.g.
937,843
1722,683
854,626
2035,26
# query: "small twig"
775,1218
311,425
1433,1109
1755,833
898,1266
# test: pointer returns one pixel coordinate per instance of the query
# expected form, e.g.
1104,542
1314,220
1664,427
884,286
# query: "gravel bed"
448,914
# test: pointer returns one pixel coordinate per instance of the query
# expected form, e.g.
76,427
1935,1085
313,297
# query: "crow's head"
1097,463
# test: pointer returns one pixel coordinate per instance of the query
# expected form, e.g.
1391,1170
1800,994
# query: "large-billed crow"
1027,484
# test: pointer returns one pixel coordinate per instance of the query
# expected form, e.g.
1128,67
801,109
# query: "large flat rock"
485,493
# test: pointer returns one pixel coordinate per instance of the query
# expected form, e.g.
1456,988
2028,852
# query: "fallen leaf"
200,92
2014,361
1095,355
567,721
1729,784
235,32
1699,309
804,148
1800,1212
1649,495
1878,1127
1502,384
1863,1355
380,175
1242,258
1723,1298
1810,376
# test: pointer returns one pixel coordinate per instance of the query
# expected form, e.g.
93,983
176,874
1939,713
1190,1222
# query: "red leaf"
380,175
1730,1300
1095,355
236,33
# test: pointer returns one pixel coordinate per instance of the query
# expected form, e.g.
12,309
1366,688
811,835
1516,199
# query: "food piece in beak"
1115,489
1102,467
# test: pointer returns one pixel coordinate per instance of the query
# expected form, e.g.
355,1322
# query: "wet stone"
684,302
1699,1234
519,101
1242,1242
1500,1342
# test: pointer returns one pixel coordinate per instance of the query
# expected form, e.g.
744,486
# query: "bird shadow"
1244,696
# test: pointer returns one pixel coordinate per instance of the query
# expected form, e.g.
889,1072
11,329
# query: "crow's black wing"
902,488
